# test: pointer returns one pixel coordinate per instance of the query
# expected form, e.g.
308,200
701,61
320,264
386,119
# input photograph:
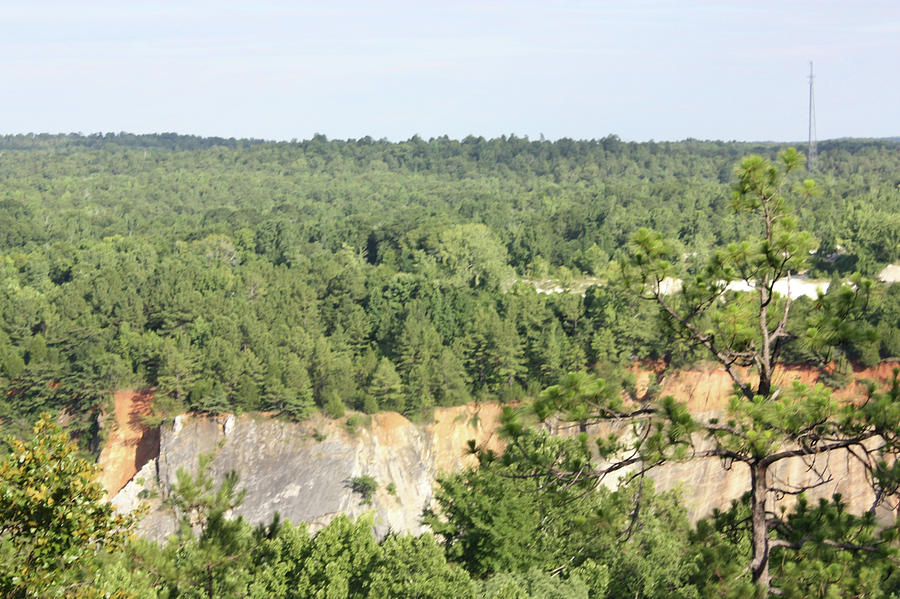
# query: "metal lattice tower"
812,155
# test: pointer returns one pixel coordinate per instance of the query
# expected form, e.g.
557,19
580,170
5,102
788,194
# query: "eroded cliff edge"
303,470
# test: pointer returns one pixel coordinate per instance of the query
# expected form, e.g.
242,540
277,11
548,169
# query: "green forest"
365,275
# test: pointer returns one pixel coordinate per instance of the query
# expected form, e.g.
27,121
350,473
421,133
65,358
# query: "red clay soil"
709,388
130,444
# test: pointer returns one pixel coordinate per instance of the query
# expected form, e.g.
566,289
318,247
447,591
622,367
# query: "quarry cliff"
304,471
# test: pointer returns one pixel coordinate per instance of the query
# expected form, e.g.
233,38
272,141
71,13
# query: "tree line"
222,322
287,277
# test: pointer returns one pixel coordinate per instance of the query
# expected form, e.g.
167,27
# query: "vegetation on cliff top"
290,277
765,423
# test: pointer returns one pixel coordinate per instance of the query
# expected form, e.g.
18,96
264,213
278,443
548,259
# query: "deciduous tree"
54,520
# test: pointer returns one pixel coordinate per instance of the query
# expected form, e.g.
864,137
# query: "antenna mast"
812,155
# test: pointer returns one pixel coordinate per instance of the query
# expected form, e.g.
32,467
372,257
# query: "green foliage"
213,555
334,406
416,567
290,277
209,555
54,520
512,520
369,275
534,585
812,567
386,388
338,561
765,423
806,560
365,486
472,256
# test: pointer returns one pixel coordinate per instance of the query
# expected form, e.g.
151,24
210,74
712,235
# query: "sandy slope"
130,444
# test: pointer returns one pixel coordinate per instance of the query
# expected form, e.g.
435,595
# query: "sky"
393,69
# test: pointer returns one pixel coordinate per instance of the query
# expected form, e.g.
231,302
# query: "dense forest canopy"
247,275
240,275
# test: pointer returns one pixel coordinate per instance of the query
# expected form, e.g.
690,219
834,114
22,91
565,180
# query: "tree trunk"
759,490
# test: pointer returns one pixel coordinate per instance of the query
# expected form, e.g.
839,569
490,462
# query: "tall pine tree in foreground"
745,332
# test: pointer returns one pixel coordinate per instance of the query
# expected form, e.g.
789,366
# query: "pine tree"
745,333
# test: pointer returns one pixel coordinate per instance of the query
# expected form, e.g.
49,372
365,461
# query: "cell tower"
812,155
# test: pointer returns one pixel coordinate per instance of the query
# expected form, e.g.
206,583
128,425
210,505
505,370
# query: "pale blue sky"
281,70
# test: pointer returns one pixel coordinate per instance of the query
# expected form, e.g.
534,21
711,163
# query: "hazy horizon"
799,142
582,70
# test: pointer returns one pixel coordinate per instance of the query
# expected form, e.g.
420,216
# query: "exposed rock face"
303,470
708,389
890,274
708,484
